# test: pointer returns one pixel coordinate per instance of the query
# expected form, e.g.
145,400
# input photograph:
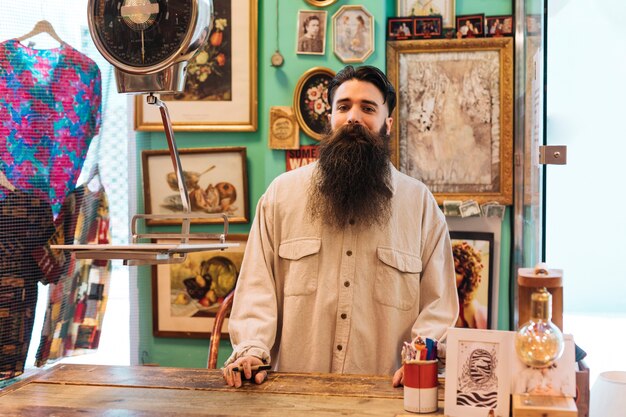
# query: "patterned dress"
49,112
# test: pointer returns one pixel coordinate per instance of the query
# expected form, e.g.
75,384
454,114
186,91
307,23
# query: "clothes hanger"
43,26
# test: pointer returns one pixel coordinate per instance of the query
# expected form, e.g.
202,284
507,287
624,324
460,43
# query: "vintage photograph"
216,180
311,32
470,26
499,26
186,296
477,372
310,101
399,28
443,8
427,27
221,85
353,34
454,113
473,265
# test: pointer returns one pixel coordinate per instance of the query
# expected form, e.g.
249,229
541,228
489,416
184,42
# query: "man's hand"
233,378
398,377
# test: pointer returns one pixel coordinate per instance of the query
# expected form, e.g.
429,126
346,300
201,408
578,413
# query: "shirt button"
346,284
349,253
339,347
344,316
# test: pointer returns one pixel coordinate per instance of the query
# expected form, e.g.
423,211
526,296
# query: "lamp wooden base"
543,406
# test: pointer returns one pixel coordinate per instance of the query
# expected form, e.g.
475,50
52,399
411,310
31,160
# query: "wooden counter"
84,390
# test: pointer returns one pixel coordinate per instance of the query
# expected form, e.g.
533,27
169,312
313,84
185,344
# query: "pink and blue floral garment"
49,112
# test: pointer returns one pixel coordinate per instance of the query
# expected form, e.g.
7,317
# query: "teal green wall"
275,88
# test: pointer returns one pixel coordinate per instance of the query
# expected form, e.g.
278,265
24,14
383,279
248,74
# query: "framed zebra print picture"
478,376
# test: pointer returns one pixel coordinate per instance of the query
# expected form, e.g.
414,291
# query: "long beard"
353,179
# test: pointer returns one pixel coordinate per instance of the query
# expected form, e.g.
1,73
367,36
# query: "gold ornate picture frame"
443,8
221,86
321,3
310,101
353,34
453,125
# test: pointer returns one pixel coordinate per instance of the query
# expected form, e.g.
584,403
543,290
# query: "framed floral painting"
310,101
221,84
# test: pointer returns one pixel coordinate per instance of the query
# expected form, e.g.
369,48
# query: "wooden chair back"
216,334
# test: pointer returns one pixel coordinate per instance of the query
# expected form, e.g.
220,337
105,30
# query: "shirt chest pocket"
299,265
397,278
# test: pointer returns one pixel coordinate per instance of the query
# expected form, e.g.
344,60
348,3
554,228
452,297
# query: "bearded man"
347,258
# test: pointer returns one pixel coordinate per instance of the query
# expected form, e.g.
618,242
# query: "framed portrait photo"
443,8
477,372
186,296
310,101
470,26
353,34
399,28
499,26
455,116
311,32
216,180
473,254
221,85
427,27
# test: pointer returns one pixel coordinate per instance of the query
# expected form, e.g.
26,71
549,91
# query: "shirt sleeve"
253,319
439,304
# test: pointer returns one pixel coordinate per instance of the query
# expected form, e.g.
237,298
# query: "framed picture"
499,26
470,26
216,179
533,24
454,129
353,34
473,264
310,101
477,372
311,32
186,296
427,27
321,3
443,8
399,28
221,86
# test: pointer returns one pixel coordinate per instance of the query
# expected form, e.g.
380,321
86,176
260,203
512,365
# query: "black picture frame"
399,28
467,249
470,25
495,26
427,27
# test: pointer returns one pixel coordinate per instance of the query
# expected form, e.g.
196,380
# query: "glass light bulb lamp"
539,342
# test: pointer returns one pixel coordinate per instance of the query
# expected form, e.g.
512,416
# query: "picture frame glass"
353,34
221,86
473,264
187,295
216,180
311,101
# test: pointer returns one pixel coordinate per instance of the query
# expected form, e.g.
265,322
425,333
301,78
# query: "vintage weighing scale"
150,42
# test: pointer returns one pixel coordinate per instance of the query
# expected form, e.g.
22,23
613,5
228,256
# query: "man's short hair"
369,74
308,20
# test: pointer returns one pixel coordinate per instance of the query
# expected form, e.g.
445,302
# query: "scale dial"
142,33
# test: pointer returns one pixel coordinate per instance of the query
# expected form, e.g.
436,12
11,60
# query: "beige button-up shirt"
311,298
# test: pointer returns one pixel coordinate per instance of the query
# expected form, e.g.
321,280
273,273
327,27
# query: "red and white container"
420,386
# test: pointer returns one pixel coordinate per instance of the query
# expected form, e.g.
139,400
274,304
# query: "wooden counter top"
80,390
